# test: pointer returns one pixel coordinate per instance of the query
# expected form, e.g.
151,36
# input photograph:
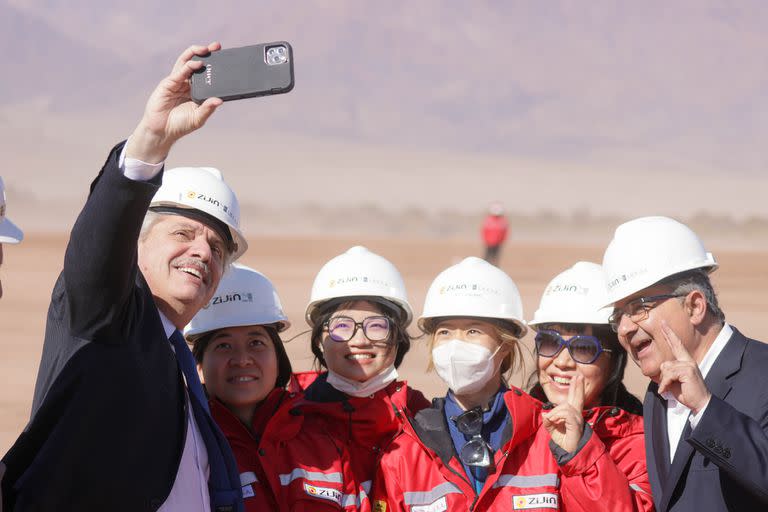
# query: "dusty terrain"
29,271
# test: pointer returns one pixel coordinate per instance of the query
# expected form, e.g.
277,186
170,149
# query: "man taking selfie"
119,420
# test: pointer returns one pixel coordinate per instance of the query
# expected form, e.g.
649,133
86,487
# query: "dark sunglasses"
583,349
476,451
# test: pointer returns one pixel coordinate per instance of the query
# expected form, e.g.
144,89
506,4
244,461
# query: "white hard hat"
576,296
9,232
244,297
646,250
358,273
474,288
202,189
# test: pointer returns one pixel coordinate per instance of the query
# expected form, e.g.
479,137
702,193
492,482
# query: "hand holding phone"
245,72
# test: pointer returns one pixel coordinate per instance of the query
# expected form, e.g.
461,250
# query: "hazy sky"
631,88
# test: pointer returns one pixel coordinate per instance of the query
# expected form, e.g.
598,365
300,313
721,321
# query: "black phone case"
243,72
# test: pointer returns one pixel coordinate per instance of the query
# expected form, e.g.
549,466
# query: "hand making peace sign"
682,376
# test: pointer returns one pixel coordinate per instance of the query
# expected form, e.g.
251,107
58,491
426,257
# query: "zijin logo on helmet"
625,277
566,288
356,279
233,297
474,288
191,194
213,201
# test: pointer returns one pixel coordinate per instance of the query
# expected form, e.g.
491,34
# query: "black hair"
615,392
283,362
398,333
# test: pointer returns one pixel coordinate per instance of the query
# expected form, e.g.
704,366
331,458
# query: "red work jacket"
494,230
339,437
420,472
284,467
257,493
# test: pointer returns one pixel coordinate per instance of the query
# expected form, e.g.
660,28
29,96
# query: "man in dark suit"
119,422
706,409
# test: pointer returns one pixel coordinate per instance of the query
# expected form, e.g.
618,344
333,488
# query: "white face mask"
363,389
465,367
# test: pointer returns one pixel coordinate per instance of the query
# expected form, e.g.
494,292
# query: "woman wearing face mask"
574,338
359,313
484,446
237,346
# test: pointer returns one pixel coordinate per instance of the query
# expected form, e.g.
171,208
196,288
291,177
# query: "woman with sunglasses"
359,313
237,346
483,446
577,351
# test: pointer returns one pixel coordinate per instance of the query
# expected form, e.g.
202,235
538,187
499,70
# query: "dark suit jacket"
108,417
723,463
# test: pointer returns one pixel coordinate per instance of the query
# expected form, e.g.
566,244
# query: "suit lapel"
727,364
679,464
657,445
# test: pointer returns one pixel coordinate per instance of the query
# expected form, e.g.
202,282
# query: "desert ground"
30,269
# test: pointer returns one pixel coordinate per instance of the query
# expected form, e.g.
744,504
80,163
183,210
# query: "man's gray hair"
697,279
152,218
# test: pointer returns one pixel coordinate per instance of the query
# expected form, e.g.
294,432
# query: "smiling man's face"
644,339
182,260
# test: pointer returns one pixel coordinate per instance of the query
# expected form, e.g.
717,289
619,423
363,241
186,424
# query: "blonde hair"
505,333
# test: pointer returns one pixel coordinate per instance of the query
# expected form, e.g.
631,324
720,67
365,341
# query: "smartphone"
245,72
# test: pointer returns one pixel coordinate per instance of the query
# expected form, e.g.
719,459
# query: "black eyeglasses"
583,349
476,452
343,328
638,309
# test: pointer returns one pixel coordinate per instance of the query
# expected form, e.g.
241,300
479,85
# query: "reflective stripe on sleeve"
356,500
527,481
248,478
428,497
637,488
316,476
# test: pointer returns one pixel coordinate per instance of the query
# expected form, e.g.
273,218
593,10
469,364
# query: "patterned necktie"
224,480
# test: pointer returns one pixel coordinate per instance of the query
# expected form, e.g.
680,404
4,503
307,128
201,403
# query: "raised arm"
100,262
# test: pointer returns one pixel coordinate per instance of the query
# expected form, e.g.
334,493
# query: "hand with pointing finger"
681,377
565,423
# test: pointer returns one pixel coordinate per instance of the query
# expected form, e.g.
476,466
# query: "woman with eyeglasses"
579,354
483,446
359,313
236,344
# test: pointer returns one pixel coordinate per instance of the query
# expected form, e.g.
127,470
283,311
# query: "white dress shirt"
677,413
190,489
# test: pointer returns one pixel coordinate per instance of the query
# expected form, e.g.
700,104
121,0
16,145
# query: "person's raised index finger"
576,392
675,343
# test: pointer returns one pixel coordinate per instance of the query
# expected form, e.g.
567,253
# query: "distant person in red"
494,231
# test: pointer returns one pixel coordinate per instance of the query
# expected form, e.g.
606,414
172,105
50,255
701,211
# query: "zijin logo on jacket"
535,501
325,493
